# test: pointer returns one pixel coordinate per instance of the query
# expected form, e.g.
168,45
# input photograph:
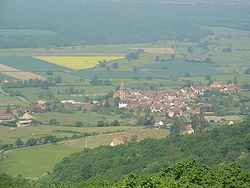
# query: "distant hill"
35,23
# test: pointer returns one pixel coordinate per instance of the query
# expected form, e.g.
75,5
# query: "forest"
110,22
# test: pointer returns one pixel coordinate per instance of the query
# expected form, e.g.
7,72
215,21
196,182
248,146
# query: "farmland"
166,51
17,161
74,62
28,63
74,65
18,74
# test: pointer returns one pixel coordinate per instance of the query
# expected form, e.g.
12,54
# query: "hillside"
54,24
221,146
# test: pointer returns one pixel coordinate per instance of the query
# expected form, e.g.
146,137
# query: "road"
17,97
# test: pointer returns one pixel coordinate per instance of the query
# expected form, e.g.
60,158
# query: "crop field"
41,159
29,64
18,74
77,62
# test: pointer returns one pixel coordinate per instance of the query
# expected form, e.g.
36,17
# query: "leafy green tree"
19,143
117,101
176,126
31,141
115,65
78,124
208,77
247,71
8,110
190,49
235,80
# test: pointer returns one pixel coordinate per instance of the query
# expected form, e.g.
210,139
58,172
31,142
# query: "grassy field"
9,135
88,118
113,49
5,100
24,32
35,161
33,94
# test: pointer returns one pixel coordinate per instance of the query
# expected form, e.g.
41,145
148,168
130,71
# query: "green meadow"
36,161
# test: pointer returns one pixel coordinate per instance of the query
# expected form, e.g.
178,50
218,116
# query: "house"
216,85
132,122
25,123
6,116
41,105
116,142
186,129
171,114
231,123
27,116
159,123
69,102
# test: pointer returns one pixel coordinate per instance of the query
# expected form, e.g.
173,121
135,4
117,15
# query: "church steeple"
122,92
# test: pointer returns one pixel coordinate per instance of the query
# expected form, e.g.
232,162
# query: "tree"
31,141
53,122
58,79
134,138
208,77
100,124
190,49
115,66
187,74
198,122
133,56
115,123
227,50
208,60
229,82
45,85
78,124
235,80
175,128
19,142
172,56
8,110
108,82
157,58
247,71
136,70
49,73
188,83
117,101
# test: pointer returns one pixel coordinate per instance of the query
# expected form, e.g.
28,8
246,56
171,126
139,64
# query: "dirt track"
18,74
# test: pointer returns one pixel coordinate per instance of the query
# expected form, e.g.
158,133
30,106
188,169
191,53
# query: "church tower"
122,92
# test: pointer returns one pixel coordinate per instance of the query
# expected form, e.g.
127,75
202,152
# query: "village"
171,102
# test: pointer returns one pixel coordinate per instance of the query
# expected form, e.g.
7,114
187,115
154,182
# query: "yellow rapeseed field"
77,62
